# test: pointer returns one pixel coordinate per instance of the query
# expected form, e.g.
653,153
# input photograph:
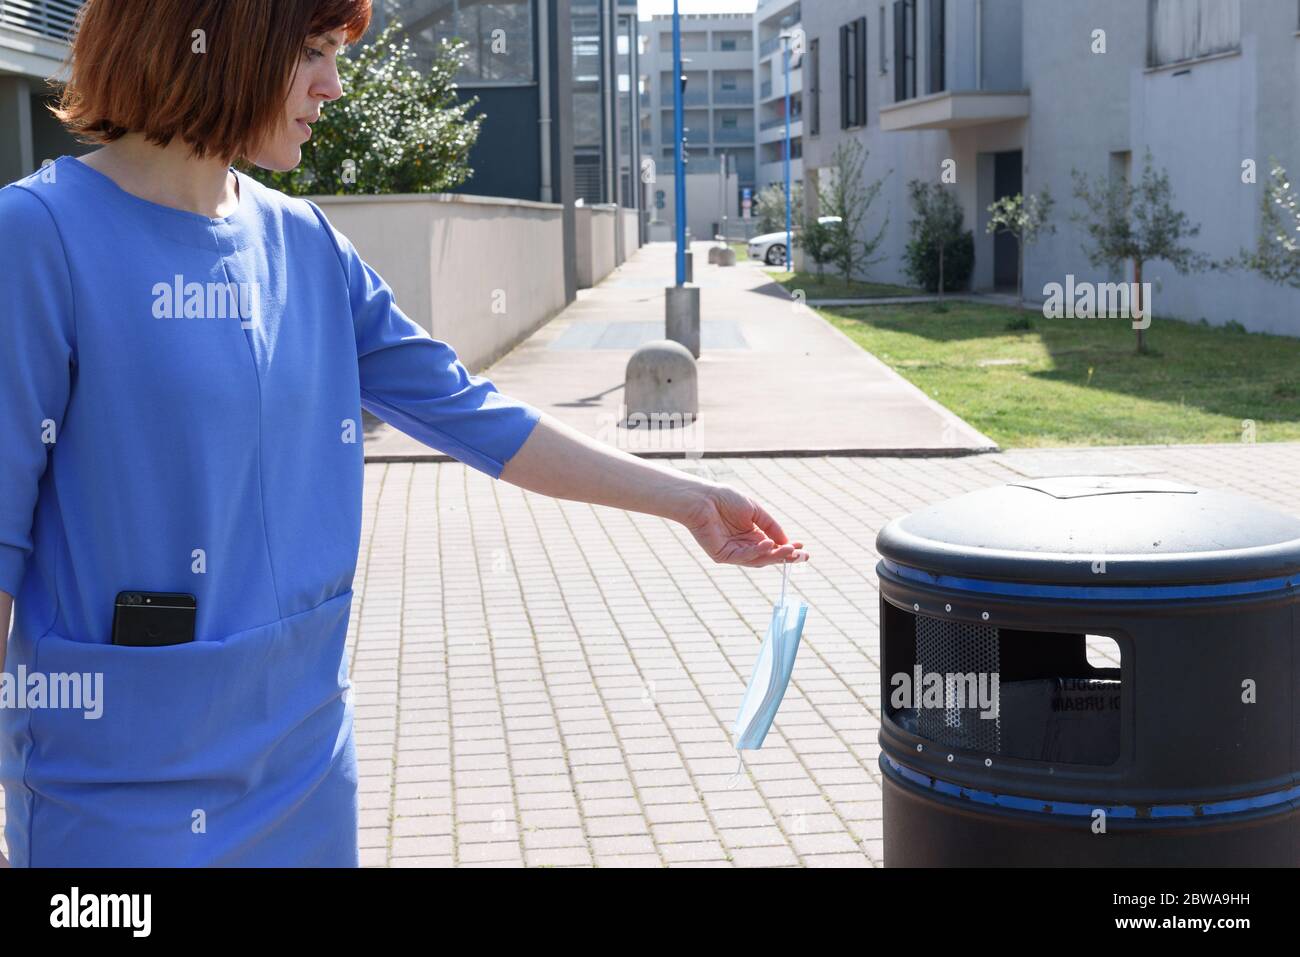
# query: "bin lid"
1058,530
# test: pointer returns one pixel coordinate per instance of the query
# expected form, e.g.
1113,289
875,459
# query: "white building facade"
1010,96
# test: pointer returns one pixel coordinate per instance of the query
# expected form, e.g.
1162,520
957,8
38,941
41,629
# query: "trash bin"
1090,672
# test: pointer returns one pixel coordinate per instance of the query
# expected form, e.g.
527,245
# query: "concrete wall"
630,220
1200,120
582,246
479,273
604,240
599,236
598,242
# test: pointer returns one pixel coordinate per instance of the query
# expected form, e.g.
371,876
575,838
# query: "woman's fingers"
768,524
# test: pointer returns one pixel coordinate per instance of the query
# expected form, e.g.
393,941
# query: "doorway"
1007,181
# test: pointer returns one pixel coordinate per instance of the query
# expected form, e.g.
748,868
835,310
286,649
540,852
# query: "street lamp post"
681,301
679,159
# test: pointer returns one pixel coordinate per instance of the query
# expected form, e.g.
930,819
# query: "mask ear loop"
736,775
734,779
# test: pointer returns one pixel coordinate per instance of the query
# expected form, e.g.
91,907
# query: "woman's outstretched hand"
733,529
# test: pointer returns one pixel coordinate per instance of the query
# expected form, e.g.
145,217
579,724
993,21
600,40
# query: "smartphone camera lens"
133,599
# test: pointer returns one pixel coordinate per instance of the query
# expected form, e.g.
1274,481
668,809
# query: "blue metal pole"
789,246
679,158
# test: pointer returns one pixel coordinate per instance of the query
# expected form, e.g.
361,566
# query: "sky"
648,8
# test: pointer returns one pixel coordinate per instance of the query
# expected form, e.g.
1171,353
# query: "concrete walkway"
775,378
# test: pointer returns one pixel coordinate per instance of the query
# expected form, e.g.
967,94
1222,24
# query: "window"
728,43
814,87
1187,29
934,51
853,74
498,35
904,49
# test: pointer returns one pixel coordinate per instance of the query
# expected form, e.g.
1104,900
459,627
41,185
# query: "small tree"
1025,218
849,198
937,234
817,239
1277,252
399,128
1139,222
769,207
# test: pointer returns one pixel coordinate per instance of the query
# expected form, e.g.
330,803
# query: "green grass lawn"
831,286
1080,381
741,250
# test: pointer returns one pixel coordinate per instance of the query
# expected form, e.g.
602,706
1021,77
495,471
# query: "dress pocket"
200,751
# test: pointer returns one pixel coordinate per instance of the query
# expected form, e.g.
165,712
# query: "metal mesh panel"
957,651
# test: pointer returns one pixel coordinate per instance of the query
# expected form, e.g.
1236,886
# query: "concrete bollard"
661,385
714,252
682,316
727,257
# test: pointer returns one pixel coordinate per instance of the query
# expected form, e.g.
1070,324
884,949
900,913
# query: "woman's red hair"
134,68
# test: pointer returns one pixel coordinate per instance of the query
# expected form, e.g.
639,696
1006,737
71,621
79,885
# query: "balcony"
795,118
689,98
52,19
742,135
954,110
697,136
741,97
765,90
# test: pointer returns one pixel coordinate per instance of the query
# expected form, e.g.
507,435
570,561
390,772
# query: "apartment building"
559,95
1012,95
559,71
720,97
771,19
33,45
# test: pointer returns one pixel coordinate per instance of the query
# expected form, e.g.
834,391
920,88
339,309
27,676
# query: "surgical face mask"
771,673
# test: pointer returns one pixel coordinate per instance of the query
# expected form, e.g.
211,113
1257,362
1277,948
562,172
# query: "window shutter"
815,62
900,50
936,46
862,71
844,77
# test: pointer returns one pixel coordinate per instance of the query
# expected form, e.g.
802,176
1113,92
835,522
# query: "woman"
187,354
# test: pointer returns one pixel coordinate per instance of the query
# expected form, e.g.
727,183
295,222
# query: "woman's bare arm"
561,462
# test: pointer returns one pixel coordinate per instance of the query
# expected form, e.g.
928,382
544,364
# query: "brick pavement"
592,726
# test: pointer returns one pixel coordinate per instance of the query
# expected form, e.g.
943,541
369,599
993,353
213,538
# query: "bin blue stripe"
1090,592
1071,809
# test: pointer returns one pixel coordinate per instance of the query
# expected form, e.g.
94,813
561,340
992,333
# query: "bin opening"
1034,695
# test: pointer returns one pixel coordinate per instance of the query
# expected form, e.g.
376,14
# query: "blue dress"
180,411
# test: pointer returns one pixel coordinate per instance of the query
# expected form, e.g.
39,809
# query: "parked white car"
770,247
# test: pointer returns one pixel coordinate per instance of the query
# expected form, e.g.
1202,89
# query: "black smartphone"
153,619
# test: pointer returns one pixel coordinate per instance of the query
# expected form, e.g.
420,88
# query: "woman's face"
316,83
